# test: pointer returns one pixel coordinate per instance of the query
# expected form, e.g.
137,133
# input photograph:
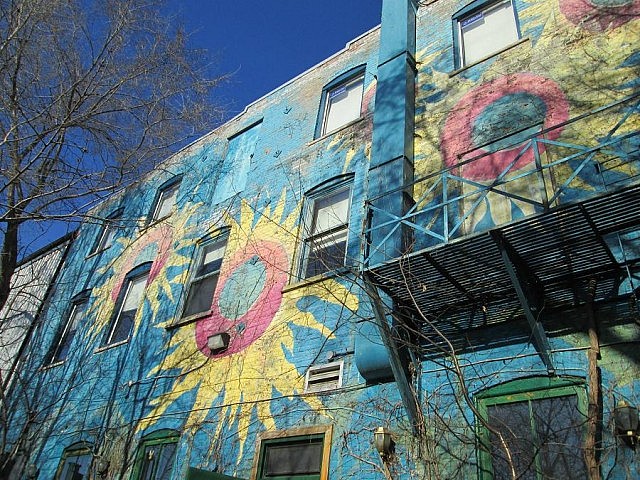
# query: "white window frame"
220,241
108,232
354,88
314,240
78,311
500,35
166,201
138,279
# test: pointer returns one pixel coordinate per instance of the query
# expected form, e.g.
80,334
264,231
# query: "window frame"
468,11
294,436
159,437
108,227
347,78
136,273
324,191
79,449
520,390
219,237
171,185
63,336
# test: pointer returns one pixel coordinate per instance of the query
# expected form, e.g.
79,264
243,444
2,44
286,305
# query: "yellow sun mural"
250,305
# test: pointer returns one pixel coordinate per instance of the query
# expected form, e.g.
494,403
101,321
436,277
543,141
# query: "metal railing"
534,174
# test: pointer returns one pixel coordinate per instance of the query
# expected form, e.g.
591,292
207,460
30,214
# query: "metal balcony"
578,212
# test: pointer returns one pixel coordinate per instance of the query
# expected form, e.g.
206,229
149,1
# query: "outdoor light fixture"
626,420
102,467
383,442
218,342
31,472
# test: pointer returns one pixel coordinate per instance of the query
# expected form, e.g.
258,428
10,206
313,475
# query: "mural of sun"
249,305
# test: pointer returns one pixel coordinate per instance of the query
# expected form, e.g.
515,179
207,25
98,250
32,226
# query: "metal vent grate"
324,377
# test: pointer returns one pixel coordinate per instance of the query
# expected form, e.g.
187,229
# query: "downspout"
391,170
595,405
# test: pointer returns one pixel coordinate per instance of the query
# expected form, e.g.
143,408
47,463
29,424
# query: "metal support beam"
399,374
530,294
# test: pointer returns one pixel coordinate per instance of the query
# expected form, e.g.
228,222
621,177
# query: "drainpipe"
391,167
391,170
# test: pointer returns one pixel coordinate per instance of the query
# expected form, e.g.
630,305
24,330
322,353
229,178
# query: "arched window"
541,421
156,455
75,463
129,301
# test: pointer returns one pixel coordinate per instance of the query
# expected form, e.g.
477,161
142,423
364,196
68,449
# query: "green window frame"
309,446
542,421
75,463
156,455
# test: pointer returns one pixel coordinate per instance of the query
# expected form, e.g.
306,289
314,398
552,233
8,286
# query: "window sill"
152,223
304,282
182,321
333,132
111,345
484,59
97,252
52,365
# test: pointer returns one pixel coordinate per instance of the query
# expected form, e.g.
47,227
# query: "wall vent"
324,377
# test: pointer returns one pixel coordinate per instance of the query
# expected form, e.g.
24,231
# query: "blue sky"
266,43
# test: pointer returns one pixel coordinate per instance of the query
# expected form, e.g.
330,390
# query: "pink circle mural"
154,246
495,109
600,15
247,297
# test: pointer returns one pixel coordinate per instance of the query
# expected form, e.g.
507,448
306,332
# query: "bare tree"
92,94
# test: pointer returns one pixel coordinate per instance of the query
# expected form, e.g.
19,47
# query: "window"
129,301
166,199
156,456
541,420
341,101
300,454
326,229
234,171
65,336
75,463
202,286
482,29
108,232
325,377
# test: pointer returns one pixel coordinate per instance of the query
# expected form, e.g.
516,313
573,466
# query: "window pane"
62,351
200,295
293,459
165,461
558,429
487,31
326,253
76,467
331,211
211,258
513,421
343,105
158,461
166,202
133,297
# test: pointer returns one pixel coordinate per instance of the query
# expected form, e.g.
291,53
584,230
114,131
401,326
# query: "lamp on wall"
31,472
625,417
218,342
102,467
383,442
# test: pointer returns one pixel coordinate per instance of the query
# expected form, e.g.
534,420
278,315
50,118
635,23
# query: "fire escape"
575,219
